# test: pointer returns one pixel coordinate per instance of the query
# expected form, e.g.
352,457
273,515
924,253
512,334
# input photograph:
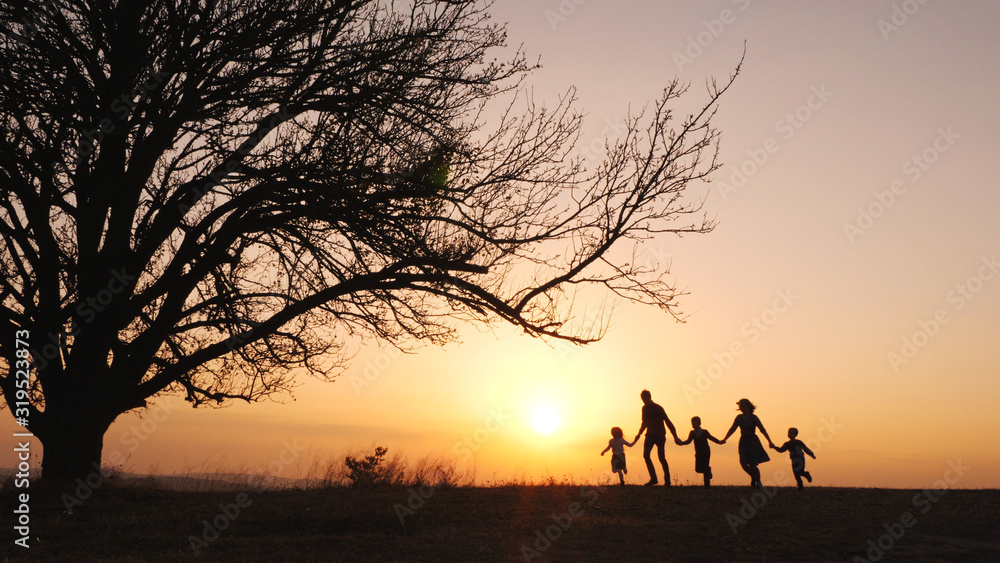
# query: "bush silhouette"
366,471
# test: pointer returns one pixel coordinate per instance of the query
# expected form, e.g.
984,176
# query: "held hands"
678,441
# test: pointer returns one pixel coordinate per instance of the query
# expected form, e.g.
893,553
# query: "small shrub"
367,471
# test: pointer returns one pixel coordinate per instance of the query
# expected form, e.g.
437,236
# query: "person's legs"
708,478
647,448
753,472
799,469
663,461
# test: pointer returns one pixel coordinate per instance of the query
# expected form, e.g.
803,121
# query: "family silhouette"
655,424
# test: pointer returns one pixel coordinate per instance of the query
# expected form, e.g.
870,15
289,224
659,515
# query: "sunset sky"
851,288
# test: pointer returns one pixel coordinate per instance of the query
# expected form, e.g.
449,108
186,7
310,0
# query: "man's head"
646,396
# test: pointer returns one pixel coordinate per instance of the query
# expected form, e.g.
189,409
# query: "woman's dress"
752,452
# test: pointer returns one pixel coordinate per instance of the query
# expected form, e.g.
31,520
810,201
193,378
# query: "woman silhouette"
752,452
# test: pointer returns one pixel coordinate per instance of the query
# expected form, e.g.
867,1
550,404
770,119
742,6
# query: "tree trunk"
71,447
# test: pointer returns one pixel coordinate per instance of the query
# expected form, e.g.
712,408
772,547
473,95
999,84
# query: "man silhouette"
653,418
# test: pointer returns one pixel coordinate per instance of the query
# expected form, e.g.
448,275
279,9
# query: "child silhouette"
702,451
617,446
795,449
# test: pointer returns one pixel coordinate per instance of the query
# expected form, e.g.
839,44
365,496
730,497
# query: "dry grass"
426,510
505,523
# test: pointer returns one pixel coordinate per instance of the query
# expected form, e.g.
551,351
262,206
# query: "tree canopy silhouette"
202,197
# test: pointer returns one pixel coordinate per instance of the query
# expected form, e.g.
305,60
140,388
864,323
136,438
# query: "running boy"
795,448
702,451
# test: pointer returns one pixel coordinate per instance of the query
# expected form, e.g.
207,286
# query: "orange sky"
875,336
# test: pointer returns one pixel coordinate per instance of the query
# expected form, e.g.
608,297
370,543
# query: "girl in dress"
617,446
752,452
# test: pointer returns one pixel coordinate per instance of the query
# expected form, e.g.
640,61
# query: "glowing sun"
545,420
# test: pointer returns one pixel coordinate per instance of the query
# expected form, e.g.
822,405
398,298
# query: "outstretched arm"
764,432
641,430
632,443
781,449
670,425
680,442
605,450
736,424
808,451
710,437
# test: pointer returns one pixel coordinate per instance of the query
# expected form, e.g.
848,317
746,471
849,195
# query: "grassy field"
517,523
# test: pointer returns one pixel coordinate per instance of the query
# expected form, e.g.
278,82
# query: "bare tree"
201,197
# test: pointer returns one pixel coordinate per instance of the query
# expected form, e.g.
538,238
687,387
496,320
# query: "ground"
516,523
